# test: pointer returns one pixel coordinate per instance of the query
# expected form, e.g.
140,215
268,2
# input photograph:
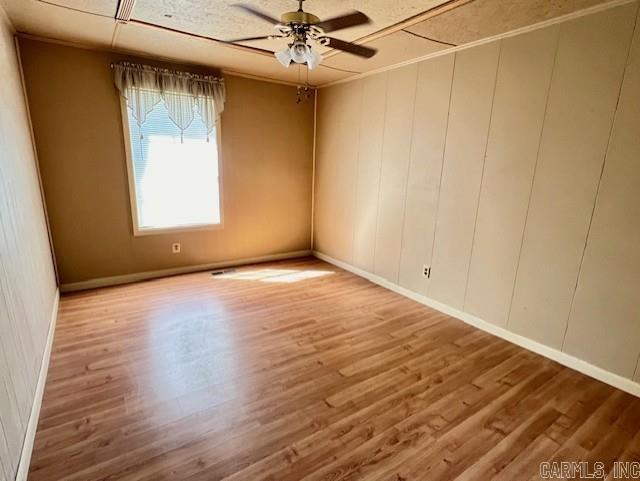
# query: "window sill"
172,230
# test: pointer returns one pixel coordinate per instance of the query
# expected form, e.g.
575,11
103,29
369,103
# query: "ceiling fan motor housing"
299,17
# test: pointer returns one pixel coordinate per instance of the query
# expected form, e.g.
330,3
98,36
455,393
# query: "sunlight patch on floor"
274,275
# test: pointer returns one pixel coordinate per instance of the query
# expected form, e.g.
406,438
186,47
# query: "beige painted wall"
511,169
27,280
266,155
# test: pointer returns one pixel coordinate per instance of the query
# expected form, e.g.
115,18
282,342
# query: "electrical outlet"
175,247
426,271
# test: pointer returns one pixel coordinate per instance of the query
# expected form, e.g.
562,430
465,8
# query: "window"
174,174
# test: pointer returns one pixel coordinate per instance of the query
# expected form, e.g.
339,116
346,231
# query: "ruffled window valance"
184,94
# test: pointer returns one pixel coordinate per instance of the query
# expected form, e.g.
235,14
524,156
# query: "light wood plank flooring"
300,371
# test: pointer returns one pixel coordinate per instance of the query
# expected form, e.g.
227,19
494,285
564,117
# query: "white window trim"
132,185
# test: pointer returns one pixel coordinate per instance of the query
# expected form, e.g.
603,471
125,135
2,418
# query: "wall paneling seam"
354,192
444,152
595,198
355,200
4,470
484,163
406,182
533,176
17,341
384,126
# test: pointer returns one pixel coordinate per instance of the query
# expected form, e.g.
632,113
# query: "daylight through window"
175,173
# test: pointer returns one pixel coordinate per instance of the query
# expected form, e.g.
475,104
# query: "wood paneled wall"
511,169
27,281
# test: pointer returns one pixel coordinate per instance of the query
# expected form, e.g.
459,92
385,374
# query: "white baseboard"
563,358
141,276
32,426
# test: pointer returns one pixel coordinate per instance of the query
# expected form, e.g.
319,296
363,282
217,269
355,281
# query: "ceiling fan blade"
257,12
352,48
247,39
352,19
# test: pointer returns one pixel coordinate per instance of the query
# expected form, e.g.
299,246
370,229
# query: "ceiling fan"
300,27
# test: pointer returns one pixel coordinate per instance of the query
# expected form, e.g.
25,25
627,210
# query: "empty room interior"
319,240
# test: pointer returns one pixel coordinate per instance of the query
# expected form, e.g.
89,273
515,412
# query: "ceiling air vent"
125,8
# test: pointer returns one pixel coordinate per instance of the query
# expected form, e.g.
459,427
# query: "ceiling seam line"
428,38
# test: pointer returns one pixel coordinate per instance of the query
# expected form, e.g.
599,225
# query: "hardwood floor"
296,371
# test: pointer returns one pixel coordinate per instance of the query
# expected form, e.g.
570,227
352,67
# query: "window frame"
133,201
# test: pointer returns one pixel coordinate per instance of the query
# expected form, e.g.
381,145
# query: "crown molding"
133,53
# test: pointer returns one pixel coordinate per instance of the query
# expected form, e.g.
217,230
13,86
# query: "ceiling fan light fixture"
284,57
299,51
313,58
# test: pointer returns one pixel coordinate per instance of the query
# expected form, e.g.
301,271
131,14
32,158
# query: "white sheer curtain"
183,94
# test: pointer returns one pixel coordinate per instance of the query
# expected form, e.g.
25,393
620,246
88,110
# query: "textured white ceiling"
92,23
219,19
393,48
481,19
68,22
99,7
